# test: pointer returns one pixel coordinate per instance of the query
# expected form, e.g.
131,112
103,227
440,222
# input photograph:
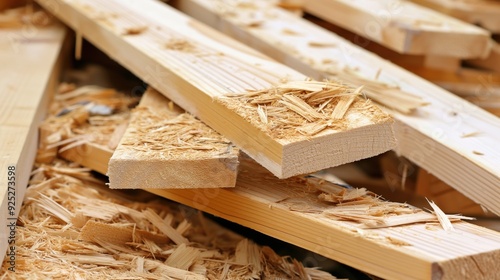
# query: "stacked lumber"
186,61
480,12
353,221
29,72
424,136
405,27
288,124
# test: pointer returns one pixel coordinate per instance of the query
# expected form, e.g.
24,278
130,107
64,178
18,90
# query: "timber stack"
252,122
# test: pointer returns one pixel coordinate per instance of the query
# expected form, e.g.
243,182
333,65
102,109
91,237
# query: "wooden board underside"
256,202
208,69
29,73
484,13
404,27
431,137
138,161
492,61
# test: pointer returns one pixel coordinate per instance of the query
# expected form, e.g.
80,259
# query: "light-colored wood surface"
29,73
448,199
288,210
492,61
484,13
155,42
404,26
436,137
164,147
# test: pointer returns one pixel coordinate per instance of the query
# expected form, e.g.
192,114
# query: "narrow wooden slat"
29,73
480,12
404,27
434,137
155,150
185,62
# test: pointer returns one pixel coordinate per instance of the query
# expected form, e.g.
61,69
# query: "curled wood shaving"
441,216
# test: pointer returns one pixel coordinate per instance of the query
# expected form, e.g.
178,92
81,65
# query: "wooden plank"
448,199
480,12
156,42
492,61
31,62
434,137
164,147
481,88
288,210
404,27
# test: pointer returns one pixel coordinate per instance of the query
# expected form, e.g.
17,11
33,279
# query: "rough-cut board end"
360,143
163,147
208,173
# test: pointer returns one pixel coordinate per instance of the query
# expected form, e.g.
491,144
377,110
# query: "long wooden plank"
164,147
481,12
437,137
404,27
156,42
29,72
289,210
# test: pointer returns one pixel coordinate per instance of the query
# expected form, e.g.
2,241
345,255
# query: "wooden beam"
404,27
158,43
492,61
434,136
480,12
164,147
289,210
29,73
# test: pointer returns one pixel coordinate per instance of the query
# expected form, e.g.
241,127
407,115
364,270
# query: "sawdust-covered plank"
197,69
448,129
29,70
353,226
164,147
404,27
344,228
480,12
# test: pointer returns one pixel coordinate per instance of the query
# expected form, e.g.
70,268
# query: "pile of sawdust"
303,108
72,226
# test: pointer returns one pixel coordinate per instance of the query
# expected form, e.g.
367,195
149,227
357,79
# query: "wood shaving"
172,136
60,236
441,216
70,125
303,108
322,44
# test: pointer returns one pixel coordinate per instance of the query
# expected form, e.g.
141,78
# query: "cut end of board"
163,147
316,125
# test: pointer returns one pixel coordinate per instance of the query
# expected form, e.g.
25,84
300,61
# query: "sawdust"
302,108
71,122
72,227
173,136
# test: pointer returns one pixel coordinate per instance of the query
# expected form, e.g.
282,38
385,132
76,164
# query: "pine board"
434,137
484,13
158,43
29,73
404,27
163,147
